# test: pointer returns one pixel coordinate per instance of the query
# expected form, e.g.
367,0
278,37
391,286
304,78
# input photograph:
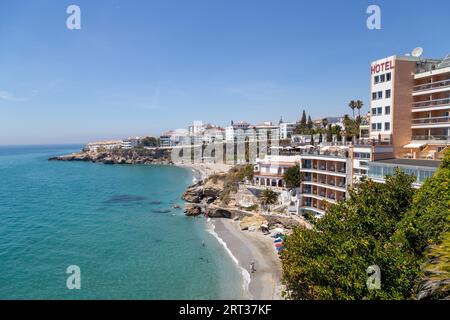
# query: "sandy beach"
202,171
245,246
253,246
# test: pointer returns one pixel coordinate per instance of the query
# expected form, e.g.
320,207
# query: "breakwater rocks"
131,156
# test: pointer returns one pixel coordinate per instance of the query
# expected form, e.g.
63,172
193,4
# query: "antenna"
417,52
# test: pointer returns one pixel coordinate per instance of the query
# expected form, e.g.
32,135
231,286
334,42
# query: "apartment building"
241,131
410,104
326,177
430,119
287,129
268,172
103,145
130,143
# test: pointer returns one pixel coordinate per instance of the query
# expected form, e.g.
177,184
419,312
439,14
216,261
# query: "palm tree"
352,105
268,197
358,105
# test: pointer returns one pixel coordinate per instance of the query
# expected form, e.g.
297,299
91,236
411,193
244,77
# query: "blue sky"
143,67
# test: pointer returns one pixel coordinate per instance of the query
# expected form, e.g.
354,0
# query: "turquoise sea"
113,221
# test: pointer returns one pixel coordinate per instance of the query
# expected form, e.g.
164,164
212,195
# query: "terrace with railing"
432,85
442,102
431,121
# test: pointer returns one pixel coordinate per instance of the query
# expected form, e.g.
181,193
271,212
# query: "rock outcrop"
192,210
120,156
201,192
252,222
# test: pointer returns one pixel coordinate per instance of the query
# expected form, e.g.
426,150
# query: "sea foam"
245,274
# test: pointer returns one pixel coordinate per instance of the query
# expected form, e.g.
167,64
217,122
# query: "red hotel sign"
385,66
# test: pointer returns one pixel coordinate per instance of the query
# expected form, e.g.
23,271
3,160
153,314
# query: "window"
388,76
374,95
382,78
361,155
387,126
380,110
379,126
380,94
374,111
374,126
388,93
387,110
376,79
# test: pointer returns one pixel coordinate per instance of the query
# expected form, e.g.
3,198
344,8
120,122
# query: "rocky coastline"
132,156
204,197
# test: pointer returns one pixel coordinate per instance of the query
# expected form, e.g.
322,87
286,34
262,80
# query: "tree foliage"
389,225
268,197
292,177
149,142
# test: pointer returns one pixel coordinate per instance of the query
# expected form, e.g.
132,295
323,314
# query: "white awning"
414,145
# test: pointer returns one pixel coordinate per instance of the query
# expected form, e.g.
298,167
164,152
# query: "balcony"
324,170
431,104
432,86
431,122
440,138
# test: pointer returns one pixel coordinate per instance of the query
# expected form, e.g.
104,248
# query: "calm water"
114,222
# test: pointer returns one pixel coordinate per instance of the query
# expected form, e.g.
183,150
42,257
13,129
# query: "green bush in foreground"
388,225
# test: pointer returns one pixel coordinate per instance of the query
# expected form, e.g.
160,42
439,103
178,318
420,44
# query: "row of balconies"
325,180
431,137
441,102
432,85
432,121
329,194
321,165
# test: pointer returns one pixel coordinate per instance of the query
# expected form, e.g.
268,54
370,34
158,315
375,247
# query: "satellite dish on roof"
417,52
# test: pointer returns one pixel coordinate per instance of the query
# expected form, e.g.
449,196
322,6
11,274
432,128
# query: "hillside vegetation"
402,231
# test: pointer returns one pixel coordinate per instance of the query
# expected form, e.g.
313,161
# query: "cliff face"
120,156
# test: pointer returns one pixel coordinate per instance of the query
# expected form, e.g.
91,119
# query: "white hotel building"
242,130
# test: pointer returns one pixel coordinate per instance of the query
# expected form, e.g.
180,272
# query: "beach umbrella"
277,235
278,240
278,230
278,245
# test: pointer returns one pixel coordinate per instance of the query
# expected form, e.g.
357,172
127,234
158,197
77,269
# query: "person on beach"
252,267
